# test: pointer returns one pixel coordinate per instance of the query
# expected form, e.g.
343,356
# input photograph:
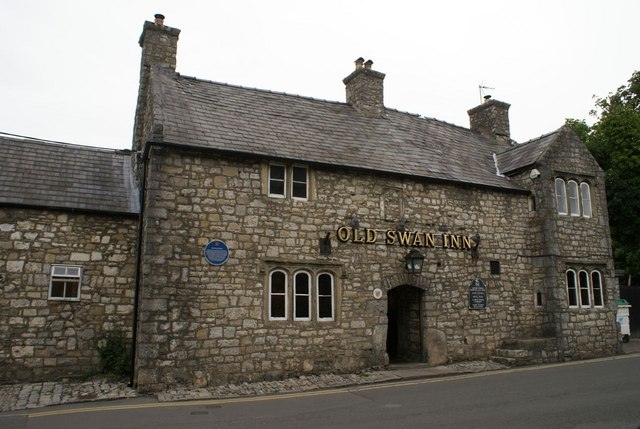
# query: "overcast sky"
69,69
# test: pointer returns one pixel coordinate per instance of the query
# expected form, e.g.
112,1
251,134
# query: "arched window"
585,193
325,297
574,198
561,196
302,296
572,290
585,295
278,295
596,285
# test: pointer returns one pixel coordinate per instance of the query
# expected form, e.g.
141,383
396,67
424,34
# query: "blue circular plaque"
216,252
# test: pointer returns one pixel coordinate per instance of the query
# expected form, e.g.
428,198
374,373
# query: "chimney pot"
359,62
159,19
368,64
486,98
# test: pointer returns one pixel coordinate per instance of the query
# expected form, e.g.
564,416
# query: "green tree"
614,141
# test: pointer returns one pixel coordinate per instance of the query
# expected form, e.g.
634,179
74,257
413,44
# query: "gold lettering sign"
391,237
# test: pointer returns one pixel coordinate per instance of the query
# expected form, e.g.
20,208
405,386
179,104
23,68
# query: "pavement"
37,395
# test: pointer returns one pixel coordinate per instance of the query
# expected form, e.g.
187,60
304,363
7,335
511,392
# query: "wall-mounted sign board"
477,295
216,252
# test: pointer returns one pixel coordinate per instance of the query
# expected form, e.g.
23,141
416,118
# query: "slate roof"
63,176
525,154
217,116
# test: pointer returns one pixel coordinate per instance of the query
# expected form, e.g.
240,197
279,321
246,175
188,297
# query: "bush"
115,354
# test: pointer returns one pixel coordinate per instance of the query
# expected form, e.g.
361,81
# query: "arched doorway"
404,331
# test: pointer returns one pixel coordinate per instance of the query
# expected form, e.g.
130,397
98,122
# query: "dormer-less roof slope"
216,116
525,154
62,176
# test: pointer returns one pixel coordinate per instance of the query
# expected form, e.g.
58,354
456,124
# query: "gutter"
138,274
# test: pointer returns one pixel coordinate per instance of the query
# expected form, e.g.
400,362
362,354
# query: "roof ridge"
27,139
266,91
542,136
533,140
306,97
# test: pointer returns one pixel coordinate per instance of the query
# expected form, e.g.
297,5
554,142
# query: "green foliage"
614,140
115,354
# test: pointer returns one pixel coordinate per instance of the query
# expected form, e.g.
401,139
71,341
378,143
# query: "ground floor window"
65,282
584,288
309,295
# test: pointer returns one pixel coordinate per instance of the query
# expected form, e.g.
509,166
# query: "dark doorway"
404,332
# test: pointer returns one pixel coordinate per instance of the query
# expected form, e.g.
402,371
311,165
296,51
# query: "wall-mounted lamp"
413,262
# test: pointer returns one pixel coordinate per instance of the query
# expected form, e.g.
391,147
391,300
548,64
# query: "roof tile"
48,174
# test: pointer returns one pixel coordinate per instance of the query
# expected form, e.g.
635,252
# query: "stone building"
281,235
68,217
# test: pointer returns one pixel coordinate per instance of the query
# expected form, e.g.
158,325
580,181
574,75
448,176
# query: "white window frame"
573,198
585,196
561,196
575,289
66,274
599,291
306,182
285,293
283,180
296,294
584,289
331,297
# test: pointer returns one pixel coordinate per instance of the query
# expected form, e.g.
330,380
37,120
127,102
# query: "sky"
69,69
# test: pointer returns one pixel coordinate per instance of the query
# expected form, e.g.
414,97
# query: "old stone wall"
560,242
42,339
206,324
584,243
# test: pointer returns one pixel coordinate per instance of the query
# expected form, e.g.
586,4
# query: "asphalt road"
602,393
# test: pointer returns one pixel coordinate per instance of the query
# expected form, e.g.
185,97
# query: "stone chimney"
159,45
364,89
491,119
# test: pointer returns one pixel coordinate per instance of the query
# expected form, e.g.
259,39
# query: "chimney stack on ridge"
491,119
365,90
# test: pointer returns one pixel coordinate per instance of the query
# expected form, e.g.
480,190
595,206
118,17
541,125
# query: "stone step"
513,353
529,343
507,361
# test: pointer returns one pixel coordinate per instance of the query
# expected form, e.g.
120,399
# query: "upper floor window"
584,289
576,202
277,180
300,182
561,196
65,282
585,193
288,181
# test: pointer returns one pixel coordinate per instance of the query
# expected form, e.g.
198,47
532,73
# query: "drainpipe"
136,299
